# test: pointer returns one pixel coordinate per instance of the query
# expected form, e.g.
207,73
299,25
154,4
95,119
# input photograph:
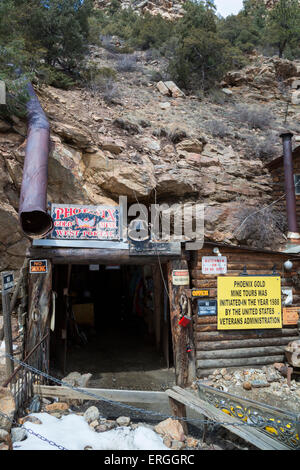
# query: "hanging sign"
38,266
180,277
7,282
249,302
214,265
78,222
290,315
207,307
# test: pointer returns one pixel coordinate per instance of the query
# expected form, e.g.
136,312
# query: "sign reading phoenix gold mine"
249,302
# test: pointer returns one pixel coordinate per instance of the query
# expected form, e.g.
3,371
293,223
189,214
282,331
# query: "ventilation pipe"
293,232
34,218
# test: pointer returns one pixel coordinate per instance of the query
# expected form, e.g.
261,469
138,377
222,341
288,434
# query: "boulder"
57,406
174,90
162,88
18,434
114,146
123,421
190,145
72,135
75,379
91,414
172,428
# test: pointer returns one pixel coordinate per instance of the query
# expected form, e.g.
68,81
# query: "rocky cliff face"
168,9
151,145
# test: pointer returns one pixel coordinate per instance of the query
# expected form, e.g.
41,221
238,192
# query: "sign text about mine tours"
249,302
78,222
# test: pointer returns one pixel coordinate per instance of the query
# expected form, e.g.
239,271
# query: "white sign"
180,277
214,265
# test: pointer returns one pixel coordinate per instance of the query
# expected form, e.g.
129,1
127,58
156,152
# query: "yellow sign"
200,293
249,302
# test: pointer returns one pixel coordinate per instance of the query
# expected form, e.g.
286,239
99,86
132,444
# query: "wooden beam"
95,256
122,396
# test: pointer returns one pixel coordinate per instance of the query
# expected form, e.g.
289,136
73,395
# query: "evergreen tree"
283,25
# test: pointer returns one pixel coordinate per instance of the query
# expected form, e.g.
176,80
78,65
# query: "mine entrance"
113,322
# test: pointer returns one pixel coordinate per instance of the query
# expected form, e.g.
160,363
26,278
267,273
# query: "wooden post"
39,303
182,337
7,334
179,410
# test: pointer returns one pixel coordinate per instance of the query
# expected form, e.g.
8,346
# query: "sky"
228,7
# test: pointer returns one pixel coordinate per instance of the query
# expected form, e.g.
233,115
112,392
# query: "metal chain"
132,408
30,431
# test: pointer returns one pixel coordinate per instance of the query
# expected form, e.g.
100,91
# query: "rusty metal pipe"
289,185
34,219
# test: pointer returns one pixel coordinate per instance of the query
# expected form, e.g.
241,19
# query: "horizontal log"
240,352
212,327
246,334
245,361
207,320
244,343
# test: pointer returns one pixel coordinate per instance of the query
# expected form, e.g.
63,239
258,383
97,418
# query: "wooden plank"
249,434
243,362
240,352
122,396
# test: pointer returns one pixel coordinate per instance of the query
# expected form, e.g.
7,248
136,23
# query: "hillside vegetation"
48,40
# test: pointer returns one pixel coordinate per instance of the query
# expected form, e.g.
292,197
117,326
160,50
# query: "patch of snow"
73,433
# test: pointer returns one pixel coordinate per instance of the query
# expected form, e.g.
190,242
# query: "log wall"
239,348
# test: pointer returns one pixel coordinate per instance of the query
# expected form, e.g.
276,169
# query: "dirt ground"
121,360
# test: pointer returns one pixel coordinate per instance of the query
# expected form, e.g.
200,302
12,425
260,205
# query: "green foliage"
240,31
201,60
283,25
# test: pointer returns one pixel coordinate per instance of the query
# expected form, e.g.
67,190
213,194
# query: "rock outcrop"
188,151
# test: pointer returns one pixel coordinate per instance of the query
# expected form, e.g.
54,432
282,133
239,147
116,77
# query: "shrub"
95,78
110,91
57,78
260,227
217,128
254,117
127,63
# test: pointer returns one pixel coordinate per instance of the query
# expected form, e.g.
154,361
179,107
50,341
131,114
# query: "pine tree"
283,25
